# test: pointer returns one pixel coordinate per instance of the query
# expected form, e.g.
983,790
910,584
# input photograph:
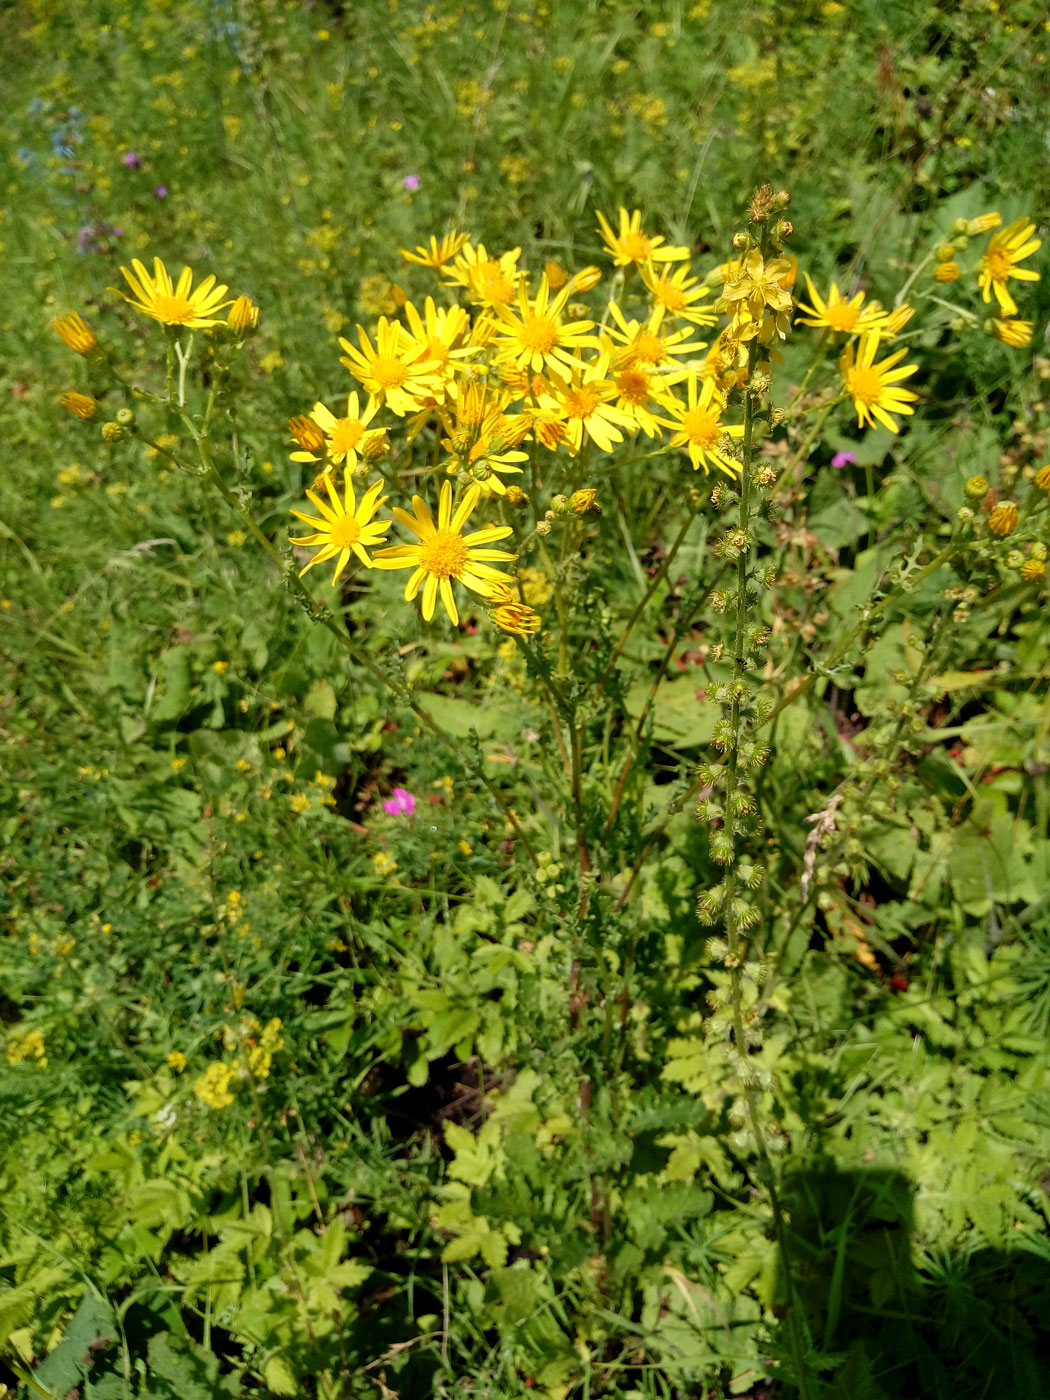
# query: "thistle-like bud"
125,417
112,432
75,332
515,496
760,205
543,528
375,444
585,502
80,405
976,488
1033,570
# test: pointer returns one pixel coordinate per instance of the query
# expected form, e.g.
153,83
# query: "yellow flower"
755,284
80,405
1033,569
535,337
342,436
1015,333
1003,519
517,618
699,428
1005,250
79,336
488,281
345,527
243,315
174,304
633,343
1042,478
838,313
177,1061
582,403
393,371
873,387
438,333
213,1086
29,1045
438,254
676,293
631,246
639,388
444,553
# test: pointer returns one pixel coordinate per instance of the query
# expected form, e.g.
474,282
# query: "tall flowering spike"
444,553
174,304
75,332
1005,250
342,527
874,388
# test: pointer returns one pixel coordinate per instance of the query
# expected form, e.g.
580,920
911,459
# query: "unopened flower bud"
585,501
948,272
515,496
125,417
375,444
984,223
112,432
976,487
243,316
1033,570
964,515
586,279
1042,478
1014,559
80,405
1003,519
559,505
945,253
306,433
556,275
543,528
74,331
741,240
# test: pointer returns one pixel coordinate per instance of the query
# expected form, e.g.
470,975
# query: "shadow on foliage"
885,1323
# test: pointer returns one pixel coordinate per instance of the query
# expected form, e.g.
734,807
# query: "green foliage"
303,1097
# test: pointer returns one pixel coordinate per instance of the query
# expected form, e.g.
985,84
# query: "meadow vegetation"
523,708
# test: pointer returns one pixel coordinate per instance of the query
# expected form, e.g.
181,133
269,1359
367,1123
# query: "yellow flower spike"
80,405
1005,250
75,332
874,387
344,527
444,553
174,304
438,254
629,246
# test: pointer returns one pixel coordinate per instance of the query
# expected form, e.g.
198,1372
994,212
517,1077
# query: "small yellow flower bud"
517,618
948,272
76,334
1014,559
984,223
515,496
1039,550
1042,478
559,505
80,405
556,275
1015,333
586,279
112,432
543,528
976,487
585,501
243,316
945,253
1003,519
375,444
306,433
125,417
1032,570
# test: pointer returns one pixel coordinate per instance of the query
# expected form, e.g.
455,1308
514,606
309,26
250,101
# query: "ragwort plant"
487,439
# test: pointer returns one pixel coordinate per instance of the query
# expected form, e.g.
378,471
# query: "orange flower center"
346,434
444,554
649,348
701,427
865,384
841,315
539,334
491,286
345,532
635,246
633,386
389,373
174,311
582,402
669,296
997,264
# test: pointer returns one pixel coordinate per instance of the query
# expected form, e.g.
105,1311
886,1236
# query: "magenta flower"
401,804
130,158
161,191
411,182
844,459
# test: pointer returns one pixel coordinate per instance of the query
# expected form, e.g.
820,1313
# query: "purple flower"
161,191
844,459
130,158
401,804
411,182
